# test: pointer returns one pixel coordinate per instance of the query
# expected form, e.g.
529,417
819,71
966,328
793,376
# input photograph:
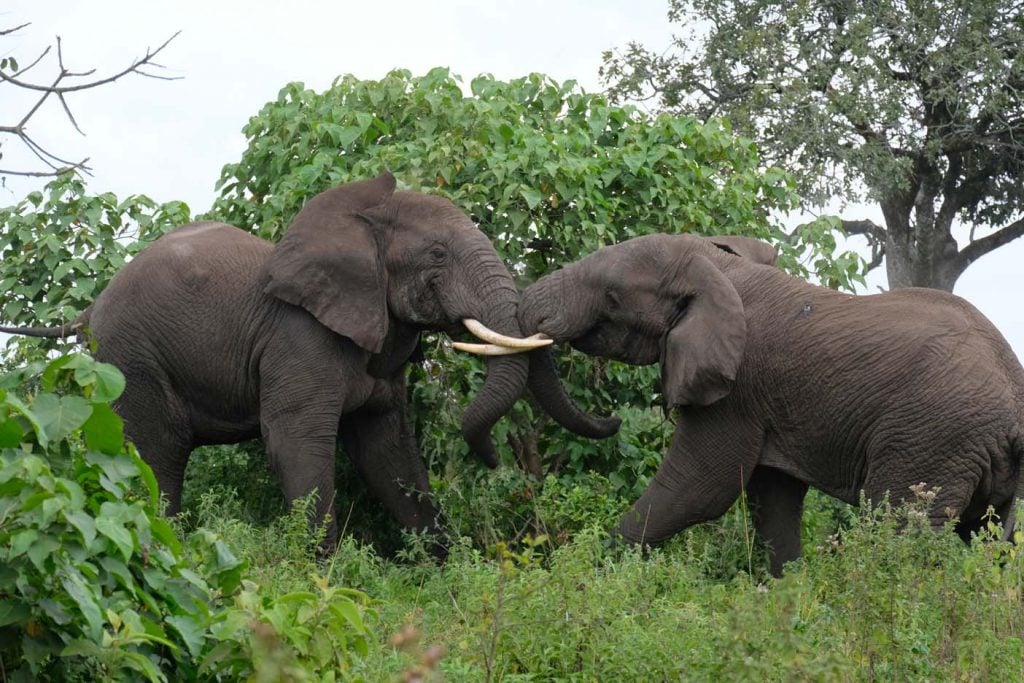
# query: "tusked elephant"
224,337
782,385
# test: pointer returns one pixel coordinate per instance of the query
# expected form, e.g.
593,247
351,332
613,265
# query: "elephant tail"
60,332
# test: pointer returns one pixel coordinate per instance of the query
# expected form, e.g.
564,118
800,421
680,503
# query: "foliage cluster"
915,106
94,583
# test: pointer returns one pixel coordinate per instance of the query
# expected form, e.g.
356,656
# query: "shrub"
95,584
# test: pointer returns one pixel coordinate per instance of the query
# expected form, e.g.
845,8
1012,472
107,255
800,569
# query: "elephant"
224,337
781,385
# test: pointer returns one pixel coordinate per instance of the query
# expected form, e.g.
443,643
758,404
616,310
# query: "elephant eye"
612,299
438,253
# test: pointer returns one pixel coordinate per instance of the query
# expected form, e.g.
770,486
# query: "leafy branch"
65,81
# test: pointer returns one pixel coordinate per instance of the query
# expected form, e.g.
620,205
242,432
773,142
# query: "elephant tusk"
517,343
486,349
496,349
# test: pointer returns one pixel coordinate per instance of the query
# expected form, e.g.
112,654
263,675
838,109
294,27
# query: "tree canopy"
915,105
550,173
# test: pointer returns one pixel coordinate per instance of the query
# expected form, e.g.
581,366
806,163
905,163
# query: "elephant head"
380,266
658,298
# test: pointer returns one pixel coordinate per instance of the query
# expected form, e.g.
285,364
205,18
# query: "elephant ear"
747,247
703,350
330,263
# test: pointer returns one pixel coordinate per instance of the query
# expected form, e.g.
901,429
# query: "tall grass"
879,597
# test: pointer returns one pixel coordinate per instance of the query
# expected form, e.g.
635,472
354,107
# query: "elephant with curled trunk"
223,337
781,385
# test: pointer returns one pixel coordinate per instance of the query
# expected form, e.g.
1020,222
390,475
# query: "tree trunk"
920,250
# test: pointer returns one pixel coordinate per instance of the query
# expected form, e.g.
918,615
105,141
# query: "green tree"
549,173
915,105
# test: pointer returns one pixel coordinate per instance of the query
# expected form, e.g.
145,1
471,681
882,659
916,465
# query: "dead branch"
63,83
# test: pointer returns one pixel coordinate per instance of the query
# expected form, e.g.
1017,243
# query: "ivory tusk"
496,349
518,343
486,349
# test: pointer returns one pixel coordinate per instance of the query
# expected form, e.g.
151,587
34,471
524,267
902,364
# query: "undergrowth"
883,598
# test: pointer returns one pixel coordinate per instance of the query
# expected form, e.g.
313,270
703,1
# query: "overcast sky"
169,139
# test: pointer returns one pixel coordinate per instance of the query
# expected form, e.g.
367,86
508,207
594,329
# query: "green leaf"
85,524
533,197
191,631
84,596
11,433
104,430
29,415
60,415
13,612
116,532
21,542
107,381
41,549
82,648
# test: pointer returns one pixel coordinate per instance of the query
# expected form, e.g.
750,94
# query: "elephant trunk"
536,314
547,388
506,375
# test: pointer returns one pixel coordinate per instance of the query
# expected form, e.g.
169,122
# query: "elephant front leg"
301,450
776,506
712,455
382,446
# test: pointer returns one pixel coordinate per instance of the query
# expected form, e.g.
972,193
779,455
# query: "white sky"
169,139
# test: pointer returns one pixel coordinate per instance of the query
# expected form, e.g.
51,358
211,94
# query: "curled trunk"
547,388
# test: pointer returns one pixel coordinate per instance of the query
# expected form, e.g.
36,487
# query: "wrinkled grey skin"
224,337
782,385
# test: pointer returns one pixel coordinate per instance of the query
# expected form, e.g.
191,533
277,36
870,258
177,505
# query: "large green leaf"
59,416
104,430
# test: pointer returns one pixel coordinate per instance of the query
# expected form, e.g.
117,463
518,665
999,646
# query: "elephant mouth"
619,345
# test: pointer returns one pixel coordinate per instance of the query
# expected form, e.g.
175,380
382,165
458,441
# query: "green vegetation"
914,106
94,584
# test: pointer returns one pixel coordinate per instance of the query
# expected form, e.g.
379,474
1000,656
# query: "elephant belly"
813,464
222,427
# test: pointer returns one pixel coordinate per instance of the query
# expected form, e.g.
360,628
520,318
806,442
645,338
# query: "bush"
95,584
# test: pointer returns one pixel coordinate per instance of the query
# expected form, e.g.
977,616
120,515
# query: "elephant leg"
383,448
300,445
157,422
776,505
892,474
713,453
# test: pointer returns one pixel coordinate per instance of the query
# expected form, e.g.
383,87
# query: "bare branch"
59,87
38,59
978,248
134,67
875,235
865,227
44,174
9,31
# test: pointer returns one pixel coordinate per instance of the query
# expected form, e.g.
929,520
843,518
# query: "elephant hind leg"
776,506
157,422
953,492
